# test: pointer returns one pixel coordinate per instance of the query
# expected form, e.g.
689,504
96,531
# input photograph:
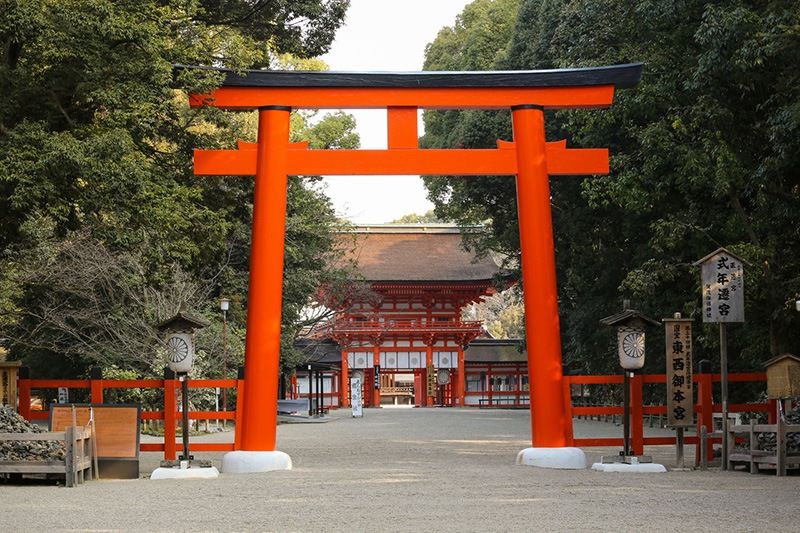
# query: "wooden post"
96,384
170,411
460,384
772,412
72,451
310,391
568,409
489,387
548,420
93,428
24,391
705,408
69,456
753,447
237,430
702,446
185,425
344,379
780,442
626,414
637,417
723,353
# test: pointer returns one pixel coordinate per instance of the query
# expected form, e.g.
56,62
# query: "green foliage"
95,152
705,154
503,314
413,218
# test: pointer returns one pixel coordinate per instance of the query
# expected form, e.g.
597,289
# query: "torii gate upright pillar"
263,344
550,429
543,338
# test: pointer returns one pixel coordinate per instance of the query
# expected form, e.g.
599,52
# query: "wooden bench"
77,459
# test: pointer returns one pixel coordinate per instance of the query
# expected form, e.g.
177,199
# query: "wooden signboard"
680,389
9,370
117,428
723,287
431,381
355,397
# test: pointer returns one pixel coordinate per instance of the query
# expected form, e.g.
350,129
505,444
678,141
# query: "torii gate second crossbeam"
529,157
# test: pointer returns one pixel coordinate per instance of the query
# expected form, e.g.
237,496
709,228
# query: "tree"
91,305
702,156
502,313
96,143
477,41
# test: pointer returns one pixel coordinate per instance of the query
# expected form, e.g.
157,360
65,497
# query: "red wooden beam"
301,161
251,98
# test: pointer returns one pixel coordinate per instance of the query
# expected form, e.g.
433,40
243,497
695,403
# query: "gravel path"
414,470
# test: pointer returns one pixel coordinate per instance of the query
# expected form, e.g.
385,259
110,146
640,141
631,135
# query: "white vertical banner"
355,397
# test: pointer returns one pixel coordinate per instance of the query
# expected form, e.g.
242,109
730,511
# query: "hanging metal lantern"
630,345
179,341
630,325
180,352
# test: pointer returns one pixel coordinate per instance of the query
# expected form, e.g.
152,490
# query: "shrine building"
405,336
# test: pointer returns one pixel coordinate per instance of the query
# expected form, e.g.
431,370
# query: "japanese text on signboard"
680,389
723,288
431,380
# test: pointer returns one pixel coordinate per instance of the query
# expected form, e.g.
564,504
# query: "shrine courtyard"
408,469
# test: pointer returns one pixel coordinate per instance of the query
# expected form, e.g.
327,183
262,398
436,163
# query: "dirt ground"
415,470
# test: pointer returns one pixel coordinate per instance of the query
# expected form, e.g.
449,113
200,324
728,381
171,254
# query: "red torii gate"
527,93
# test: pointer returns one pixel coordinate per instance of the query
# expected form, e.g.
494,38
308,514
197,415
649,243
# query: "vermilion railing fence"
169,414
704,407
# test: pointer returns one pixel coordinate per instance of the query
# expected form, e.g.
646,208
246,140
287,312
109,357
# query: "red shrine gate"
526,93
408,325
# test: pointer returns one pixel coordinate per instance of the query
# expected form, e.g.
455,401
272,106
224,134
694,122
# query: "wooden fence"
168,414
704,407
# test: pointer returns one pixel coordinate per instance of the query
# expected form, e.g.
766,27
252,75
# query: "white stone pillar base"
560,458
207,472
249,462
651,468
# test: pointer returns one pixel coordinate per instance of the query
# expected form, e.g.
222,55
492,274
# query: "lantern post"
630,325
178,334
224,305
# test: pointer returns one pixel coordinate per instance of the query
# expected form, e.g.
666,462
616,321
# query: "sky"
384,35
